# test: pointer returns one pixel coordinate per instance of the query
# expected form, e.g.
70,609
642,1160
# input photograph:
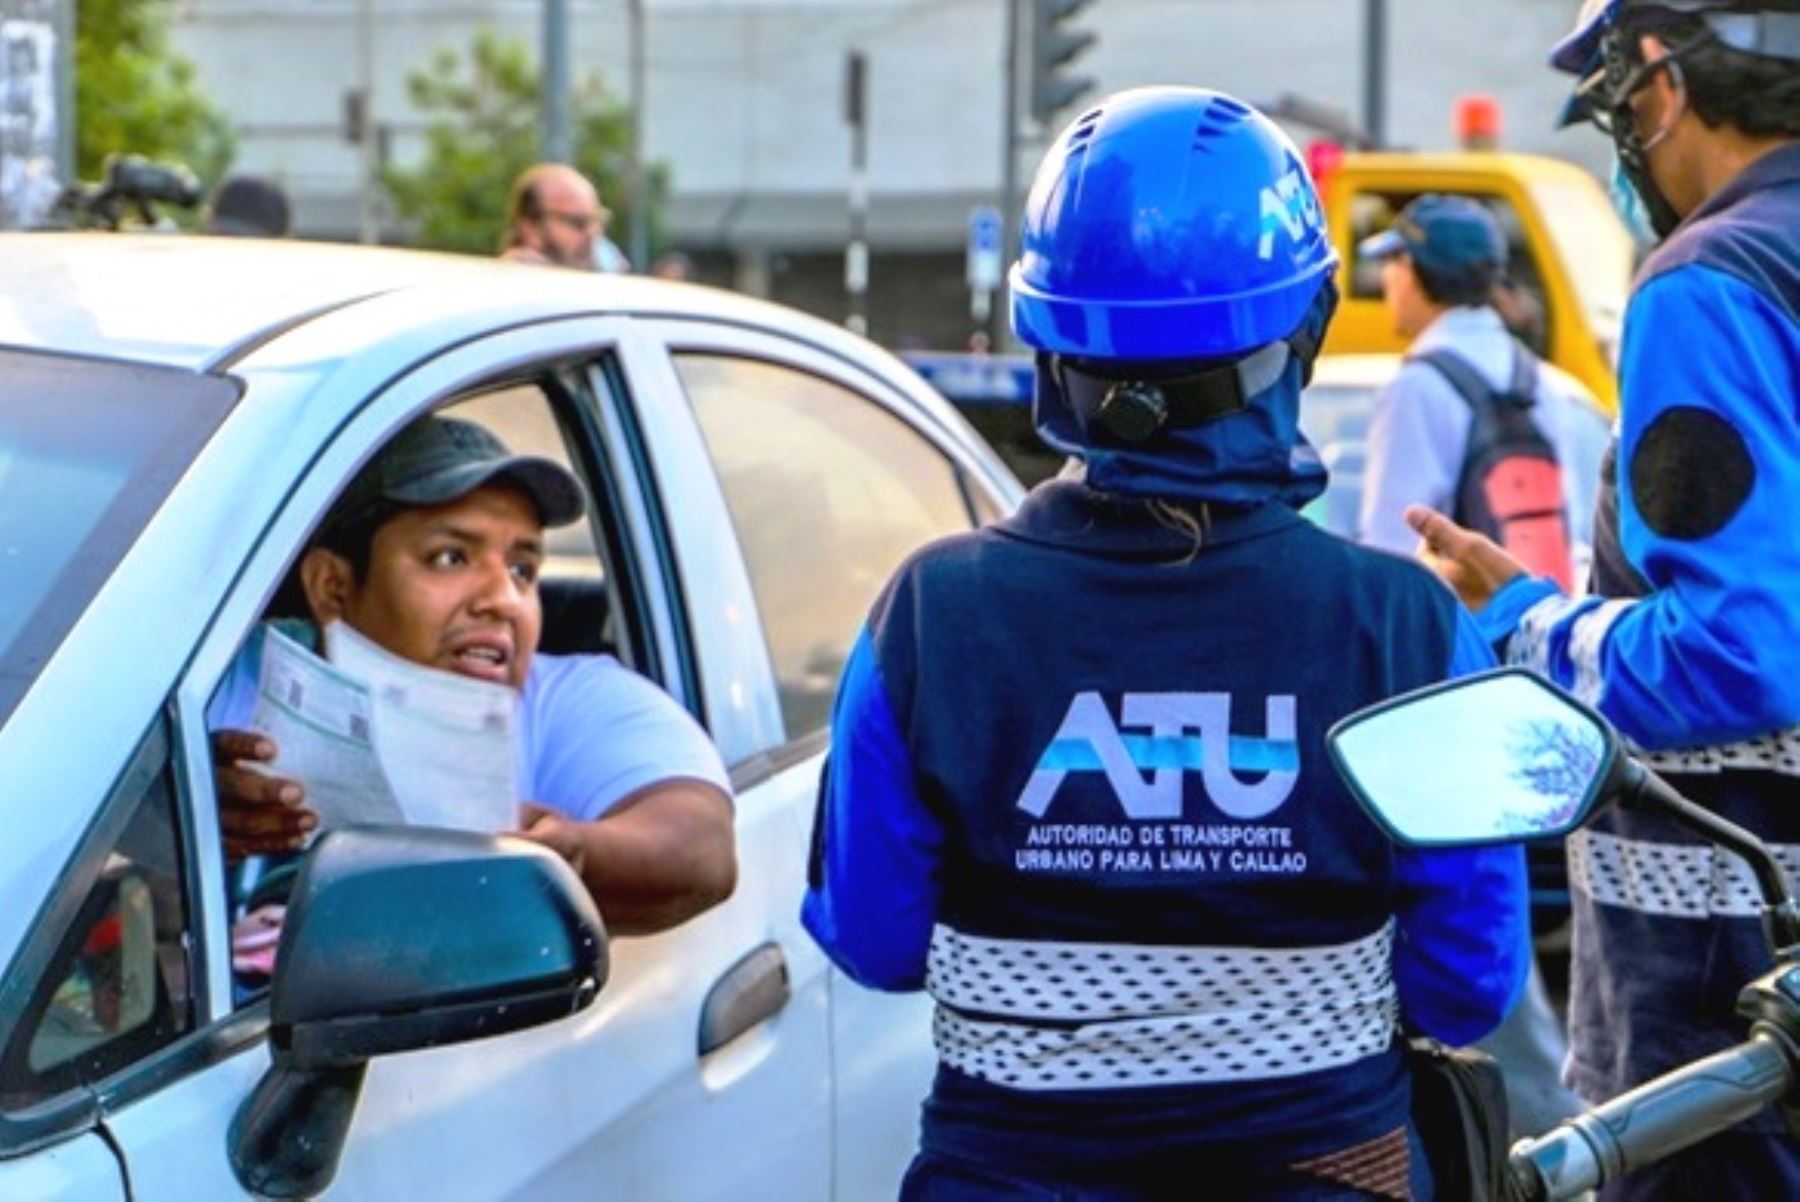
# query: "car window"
581,605
1522,300
522,417
582,614
118,984
108,450
581,611
987,510
828,492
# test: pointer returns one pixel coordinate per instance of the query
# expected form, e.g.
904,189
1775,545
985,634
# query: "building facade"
744,103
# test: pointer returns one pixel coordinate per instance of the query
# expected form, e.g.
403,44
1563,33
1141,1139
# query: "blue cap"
1445,235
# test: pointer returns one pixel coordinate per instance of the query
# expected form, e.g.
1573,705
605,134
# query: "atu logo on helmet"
1088,741
1288,206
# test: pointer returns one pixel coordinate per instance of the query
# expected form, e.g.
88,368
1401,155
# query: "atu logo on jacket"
1187,732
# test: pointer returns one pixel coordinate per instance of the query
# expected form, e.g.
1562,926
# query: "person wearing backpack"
1473,423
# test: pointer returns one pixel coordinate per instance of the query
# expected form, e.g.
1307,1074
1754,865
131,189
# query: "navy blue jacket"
1078,791
1691,645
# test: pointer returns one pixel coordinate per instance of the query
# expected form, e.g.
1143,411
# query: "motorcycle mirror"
1485,759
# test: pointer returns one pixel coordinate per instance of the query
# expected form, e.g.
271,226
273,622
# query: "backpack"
1510,487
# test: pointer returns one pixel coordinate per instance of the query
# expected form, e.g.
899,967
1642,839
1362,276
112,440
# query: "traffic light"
1053,47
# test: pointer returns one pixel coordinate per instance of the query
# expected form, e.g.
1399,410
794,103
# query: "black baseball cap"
436,460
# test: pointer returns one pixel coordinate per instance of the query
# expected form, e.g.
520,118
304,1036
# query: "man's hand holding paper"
259,814
364,737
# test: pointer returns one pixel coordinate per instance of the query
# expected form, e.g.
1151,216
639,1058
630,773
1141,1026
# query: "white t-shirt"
592,732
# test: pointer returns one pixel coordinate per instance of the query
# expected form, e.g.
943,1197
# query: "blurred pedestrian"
554,217
1473,423
1078,788
249,206
1692,645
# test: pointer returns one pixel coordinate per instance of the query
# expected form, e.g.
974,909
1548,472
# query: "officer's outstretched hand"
1471,563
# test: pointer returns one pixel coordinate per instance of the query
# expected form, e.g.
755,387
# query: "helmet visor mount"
1605,98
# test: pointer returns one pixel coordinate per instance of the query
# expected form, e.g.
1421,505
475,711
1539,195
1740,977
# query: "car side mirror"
398,939
1492,758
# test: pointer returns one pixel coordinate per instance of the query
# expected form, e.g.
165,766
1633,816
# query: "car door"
694,1075
831,476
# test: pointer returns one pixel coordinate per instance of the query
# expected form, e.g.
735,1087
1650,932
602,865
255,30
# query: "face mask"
1630,205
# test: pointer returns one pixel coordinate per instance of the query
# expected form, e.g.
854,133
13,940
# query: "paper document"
380,739
445,741
322,723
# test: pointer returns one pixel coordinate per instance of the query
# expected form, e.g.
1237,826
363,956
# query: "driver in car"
433,553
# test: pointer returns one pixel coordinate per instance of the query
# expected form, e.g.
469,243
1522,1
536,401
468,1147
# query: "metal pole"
65,90
7,217
1009,163
856,254
368,220
555,143
1375,70
637,191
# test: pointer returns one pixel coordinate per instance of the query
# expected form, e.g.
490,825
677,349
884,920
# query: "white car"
1334,415
176,414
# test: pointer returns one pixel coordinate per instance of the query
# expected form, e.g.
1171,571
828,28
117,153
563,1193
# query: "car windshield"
88,451
1595,246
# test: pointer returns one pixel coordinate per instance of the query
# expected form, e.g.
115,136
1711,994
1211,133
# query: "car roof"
196,301
1414,169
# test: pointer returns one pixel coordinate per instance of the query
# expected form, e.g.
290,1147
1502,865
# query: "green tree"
136,95
483,130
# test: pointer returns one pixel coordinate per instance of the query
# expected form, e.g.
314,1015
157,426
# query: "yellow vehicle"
1569,266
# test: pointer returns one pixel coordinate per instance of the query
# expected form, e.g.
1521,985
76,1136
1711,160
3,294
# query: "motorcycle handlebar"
1654,1121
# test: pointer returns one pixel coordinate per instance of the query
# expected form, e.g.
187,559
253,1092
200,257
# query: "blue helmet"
1169,224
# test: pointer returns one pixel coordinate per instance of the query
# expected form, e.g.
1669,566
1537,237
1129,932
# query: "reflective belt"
1529,646
1778,752
1677,880
1033,1014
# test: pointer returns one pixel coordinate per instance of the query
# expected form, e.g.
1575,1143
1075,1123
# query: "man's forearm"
661,857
